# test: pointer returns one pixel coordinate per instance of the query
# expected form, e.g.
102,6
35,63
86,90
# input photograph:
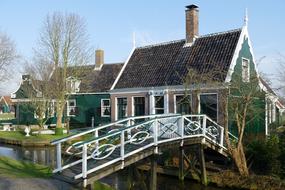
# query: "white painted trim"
154,107
88,93
116,109
247,80
133,107
102,113
166,101
178,88
68,107
199,103
151,102
235,56
243,36
122,69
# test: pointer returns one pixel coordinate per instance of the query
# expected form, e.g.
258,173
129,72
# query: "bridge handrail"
156,127
94,139
54,142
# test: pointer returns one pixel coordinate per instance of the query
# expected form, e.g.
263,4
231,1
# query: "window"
121,108
183,104
209,105
159,104
139,106
105,108
245,70
72,85
71,107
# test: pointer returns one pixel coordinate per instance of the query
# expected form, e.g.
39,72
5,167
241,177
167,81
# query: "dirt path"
33,184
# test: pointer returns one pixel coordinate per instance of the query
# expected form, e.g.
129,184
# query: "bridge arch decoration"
114,142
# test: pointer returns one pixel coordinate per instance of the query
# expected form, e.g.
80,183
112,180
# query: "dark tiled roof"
99,80
169,63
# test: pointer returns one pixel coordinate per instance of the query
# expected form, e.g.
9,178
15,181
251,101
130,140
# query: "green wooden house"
88,103
195,75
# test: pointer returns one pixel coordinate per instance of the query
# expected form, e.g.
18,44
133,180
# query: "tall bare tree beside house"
40,104
8,55
239,104
64,44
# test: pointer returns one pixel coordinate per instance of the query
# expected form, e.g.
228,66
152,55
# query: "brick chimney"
99,59
192,23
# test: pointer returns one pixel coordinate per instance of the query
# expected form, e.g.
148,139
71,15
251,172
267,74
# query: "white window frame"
73,85
68,108
163,103
103,106
247,77
199,103
174,101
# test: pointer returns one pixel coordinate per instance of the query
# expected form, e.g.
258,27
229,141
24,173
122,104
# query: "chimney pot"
192,23
99,59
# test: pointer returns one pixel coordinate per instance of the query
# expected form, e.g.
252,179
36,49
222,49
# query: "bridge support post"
153,173
202,165
181,163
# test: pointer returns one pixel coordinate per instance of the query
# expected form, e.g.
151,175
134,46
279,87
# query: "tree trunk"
59,114
240,161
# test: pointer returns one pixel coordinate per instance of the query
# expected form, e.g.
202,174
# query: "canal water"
121,180
41,155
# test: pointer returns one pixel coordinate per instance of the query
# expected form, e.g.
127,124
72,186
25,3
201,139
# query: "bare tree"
8,54
63,43
241,103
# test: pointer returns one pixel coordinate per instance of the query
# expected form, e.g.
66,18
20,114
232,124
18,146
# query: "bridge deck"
68,174
116,145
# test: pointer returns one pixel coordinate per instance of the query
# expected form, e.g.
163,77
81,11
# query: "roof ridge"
219,33
161,44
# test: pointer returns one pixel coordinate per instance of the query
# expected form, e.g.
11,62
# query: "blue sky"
111,23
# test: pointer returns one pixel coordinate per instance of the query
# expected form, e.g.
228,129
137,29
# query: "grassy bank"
20,169
19,138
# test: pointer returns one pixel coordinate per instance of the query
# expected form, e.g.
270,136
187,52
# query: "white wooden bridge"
93,154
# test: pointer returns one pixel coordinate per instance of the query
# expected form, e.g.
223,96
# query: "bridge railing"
65,146
120,143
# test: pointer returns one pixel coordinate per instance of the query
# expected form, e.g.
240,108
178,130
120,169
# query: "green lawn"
13,168
20,135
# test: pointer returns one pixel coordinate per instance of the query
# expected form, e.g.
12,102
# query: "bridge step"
66,178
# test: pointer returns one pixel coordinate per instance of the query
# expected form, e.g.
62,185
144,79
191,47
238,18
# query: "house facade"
6,105
88,98
189,76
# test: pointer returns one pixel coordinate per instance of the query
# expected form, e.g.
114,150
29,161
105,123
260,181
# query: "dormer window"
72,85
245,70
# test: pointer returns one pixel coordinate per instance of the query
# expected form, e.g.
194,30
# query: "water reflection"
125,180
42,155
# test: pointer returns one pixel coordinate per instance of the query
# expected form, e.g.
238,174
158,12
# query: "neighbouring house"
88,98
6,105
155,78
274,107
92,99
23,98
